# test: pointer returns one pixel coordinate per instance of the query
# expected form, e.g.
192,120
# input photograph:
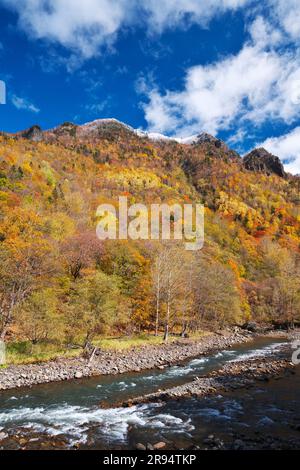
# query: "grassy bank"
24,352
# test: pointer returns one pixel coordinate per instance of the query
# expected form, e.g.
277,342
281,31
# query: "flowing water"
72,413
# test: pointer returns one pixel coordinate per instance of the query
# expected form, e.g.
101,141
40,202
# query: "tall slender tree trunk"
184,328
3,333
157,305
8,317
166,335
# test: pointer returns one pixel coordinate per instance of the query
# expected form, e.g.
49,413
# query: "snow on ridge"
94,124
188,140
155,136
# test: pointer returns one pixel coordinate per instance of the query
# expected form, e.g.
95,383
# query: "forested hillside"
60,285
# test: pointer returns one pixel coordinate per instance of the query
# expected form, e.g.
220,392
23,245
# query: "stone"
159,445
3,435
238,444
251,326
140,446
265,421
78,375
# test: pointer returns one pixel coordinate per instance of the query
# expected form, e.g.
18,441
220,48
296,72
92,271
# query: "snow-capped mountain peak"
92,128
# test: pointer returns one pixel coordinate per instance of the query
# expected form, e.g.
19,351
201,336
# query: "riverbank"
232,376
118,362
84,413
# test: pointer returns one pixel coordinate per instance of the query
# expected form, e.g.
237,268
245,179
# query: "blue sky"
178,67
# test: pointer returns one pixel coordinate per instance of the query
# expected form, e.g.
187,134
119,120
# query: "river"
81,413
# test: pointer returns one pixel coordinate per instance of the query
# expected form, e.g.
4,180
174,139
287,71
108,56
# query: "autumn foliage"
59,283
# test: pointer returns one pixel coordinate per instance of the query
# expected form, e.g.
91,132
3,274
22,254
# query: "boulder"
159,445
3,436
140,446
251,326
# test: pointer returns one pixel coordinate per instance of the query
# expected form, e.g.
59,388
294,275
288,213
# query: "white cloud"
97,107
160,114
287,147
84,26
260,83
264,34
253,85
76,24
166,14
287,15
23,103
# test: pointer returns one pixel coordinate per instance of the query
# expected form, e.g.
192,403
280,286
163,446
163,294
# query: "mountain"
202,166
260,160
104,128
51,183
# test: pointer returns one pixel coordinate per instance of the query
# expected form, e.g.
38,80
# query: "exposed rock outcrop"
67,128
260,160
215,144
34,133
210,139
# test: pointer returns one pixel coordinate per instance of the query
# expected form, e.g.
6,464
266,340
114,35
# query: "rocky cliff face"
34,134
210,139
215,146
260,160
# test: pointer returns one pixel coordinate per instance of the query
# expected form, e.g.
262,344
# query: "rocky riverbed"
109,362
244,396
232,376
